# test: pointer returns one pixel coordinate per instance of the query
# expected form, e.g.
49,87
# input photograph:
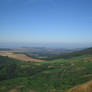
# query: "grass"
59,75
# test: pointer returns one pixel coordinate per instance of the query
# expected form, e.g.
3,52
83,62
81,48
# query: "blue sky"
46,21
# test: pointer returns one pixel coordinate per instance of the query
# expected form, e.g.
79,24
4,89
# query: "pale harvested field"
19,56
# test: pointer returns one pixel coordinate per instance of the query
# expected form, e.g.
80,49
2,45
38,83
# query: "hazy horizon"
48,45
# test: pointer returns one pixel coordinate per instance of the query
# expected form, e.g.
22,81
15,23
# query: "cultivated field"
19,56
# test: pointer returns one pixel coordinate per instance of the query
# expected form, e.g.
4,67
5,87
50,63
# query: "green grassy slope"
87,51
51,76
57,75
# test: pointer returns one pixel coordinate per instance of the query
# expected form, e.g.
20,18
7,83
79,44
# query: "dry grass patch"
13,90
87,87
22,57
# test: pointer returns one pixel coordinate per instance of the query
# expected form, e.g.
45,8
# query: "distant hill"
87,51
5,49
39,52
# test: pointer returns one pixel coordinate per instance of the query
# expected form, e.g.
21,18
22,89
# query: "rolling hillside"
87,51
59,75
